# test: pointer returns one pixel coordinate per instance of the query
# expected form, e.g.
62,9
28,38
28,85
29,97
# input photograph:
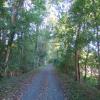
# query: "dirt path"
45,86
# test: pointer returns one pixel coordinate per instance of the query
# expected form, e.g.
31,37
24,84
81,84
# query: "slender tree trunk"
77,66
77,56
91,71
13,23
85,66
10,40
36,46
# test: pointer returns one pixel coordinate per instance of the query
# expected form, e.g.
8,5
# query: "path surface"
45,86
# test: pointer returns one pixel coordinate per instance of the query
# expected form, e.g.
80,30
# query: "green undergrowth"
78,91
91,81
9,85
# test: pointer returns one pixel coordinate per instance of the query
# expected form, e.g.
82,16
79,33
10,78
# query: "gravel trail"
45,86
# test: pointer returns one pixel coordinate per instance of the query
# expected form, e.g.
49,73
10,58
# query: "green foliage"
76,31
21,36
79,91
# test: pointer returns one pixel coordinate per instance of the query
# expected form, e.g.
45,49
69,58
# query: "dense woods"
70,37
21,38
78,34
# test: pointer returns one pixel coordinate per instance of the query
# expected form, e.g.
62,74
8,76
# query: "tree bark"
36,46
13,23
77,55
85,66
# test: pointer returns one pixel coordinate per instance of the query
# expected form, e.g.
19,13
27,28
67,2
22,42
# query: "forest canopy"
64,32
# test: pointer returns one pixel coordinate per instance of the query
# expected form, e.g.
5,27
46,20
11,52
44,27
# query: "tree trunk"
91,71
77,56
36,46
85,66
13,23
77,66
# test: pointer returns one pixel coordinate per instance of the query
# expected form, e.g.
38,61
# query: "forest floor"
46,84
11,87
78,91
